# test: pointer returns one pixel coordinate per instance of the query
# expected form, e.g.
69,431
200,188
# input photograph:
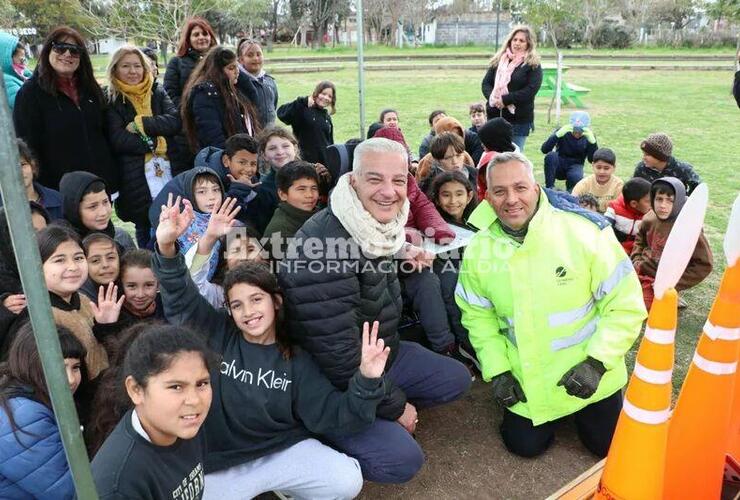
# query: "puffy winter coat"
133,203
263,93
13,80
575,151
523,87
208,110
64,136
178,72
539,308
32,459
312,128
325,309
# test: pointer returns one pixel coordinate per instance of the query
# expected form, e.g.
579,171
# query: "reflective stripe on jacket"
540,307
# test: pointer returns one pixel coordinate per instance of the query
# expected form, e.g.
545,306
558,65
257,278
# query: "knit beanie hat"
496,135
605,155
659,146
580,120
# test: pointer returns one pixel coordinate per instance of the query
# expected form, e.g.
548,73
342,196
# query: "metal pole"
558,87
498,17
39,306
361,66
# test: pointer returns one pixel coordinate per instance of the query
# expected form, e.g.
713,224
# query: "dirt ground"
465,457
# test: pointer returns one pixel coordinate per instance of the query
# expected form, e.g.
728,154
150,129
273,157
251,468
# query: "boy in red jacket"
668,196
625,213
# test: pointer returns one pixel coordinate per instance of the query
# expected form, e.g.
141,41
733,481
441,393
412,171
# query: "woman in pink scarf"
512,81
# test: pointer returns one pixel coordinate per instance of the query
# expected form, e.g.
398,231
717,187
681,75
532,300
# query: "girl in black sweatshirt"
310,118
270,397
157,450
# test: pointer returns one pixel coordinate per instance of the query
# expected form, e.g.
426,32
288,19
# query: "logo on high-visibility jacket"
560,272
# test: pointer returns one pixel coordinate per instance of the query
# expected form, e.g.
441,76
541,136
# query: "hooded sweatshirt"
653,234
13,79
197,228
473,146
72,186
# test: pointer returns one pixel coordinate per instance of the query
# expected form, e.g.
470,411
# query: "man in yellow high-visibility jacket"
552,304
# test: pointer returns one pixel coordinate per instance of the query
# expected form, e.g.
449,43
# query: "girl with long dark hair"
213,109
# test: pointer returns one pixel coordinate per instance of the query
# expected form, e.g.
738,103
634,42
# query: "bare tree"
150,20
594,12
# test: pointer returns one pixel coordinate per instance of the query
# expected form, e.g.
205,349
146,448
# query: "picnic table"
569,92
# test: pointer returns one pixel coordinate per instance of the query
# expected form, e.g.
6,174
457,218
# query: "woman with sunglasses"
60,112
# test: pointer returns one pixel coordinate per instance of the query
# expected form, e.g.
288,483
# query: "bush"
612,36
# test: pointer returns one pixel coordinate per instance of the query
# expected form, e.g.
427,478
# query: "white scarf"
375,239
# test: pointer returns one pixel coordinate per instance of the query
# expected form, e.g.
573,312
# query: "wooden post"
39,307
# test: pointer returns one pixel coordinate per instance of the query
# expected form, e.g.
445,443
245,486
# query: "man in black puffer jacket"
339,273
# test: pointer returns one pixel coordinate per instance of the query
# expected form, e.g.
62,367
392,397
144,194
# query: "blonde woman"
513,78
142,124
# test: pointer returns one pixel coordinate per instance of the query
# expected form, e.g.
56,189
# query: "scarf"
20,70
375,238
506,66
140,97
68,87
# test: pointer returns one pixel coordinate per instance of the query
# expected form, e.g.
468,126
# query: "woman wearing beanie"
658,162
512,81
142,125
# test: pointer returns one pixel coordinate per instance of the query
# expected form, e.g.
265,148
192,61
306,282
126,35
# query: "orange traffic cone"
698,431
635,465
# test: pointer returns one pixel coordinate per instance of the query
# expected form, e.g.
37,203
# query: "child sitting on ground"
388,118
454,197
141,289
448,154
602,184
496,136
103,263
667,196
240,244
88,208
478,118
574,143
298,189
658,161
625,213
158,450
48,198
589,202
32,459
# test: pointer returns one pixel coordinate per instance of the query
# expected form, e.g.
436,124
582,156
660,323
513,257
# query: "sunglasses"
60,48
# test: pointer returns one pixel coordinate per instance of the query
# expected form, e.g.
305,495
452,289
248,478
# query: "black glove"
506,390
583,379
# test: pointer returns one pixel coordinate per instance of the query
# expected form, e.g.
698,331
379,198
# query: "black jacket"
736,88
523,87
325,309
133,203
262,402
311,126
208,110
63,136
263,93
71,187
177,74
